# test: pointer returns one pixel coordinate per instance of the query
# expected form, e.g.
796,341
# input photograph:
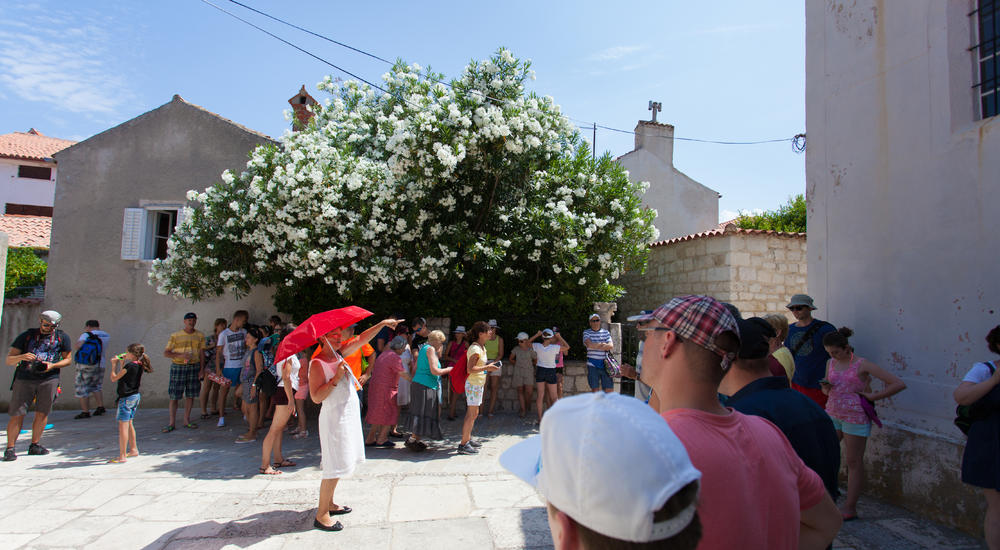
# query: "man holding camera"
37,355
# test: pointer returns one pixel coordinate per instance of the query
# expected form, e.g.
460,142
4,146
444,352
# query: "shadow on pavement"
215,535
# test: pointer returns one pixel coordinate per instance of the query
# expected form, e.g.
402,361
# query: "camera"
34,366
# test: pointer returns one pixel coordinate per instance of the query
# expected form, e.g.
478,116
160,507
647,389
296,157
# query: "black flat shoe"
335,527
341,511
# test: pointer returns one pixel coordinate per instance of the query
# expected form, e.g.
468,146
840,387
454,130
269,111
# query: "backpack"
965,415
266,383
90,352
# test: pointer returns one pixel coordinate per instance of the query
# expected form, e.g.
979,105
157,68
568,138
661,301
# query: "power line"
798,141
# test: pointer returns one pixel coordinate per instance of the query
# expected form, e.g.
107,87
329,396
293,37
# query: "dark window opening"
34,172
302,100
163,227
27,210
987,52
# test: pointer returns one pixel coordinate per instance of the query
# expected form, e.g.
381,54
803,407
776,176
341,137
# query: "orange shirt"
354,359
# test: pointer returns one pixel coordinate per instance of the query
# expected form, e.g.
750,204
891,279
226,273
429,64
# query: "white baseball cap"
522,335
609,462
547,333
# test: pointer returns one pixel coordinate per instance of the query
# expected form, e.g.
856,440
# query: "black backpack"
965,415
90,352
266,383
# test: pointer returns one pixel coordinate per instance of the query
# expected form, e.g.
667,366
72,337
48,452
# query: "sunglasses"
798,308
46,324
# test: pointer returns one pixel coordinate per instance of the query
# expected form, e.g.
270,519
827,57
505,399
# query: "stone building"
683,205
902,182
119,197
753,269
28,172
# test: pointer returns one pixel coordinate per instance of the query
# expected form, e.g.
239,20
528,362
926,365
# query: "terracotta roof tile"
725,228
31,145
27,231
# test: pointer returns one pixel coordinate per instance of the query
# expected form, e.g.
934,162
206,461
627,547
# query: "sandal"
206,416
168,429
341,510
191,426
285,464
272,472
116,460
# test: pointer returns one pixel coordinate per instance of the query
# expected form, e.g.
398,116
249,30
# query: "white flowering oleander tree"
476,195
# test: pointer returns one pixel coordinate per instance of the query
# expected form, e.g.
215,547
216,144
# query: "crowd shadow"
244,532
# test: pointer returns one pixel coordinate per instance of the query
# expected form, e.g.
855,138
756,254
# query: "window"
146,230
34,172
27,210
986,51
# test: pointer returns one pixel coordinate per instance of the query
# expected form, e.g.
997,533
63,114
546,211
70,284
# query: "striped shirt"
596,337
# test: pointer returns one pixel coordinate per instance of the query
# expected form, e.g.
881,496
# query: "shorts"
127,407
597,376
494,372
546,375
42,392
860,430
89,379
184,381
523,376
473,394
280,398
232,374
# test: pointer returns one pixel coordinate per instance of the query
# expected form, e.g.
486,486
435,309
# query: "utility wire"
798,141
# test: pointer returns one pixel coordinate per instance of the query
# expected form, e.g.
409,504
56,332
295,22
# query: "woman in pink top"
848,381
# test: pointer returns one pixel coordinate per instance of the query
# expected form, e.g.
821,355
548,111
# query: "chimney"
299,104
657,138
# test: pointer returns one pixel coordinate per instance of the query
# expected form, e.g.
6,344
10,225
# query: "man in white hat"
631,485
756,492
805,341
37,355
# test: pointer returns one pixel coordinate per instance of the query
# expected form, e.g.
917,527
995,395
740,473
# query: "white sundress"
341,438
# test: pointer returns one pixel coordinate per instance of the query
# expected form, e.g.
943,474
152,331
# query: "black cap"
754,334
190,315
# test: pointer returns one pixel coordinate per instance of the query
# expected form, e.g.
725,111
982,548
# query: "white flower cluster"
424,184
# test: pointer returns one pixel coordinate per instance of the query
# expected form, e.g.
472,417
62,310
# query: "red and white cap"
700,320
609,462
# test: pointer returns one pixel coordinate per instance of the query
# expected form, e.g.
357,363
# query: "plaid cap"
700,320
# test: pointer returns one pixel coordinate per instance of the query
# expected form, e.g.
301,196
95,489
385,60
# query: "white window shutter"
135,220
180,217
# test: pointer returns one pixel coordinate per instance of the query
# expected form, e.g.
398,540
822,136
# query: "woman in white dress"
332,384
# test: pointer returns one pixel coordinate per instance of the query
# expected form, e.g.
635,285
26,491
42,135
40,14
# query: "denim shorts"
127,407
233,375
597,376
860,430
546,375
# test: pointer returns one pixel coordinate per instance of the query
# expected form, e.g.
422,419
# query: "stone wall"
755,270
574,382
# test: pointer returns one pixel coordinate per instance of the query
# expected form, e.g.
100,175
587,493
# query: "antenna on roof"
656,107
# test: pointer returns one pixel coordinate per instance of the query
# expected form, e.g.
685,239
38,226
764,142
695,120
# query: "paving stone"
28,520
520,528
503,494
148,535
349,537
82,530
426,502
452,533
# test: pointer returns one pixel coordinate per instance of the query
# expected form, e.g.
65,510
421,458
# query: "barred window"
986,51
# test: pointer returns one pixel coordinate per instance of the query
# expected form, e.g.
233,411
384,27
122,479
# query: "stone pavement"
197,489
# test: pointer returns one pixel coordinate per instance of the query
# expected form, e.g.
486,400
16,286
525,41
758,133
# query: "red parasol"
308,333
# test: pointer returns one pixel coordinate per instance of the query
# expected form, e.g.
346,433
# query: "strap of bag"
807,336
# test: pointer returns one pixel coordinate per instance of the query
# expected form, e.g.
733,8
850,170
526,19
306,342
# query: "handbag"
612,366
266,383
219,379
869,408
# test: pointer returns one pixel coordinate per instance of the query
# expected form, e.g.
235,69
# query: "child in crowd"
127,369
209,389
650,503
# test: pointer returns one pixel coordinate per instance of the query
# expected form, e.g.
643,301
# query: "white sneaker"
222,422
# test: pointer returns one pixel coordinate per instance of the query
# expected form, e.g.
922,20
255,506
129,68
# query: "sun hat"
547,333
754,335
801,300
52,316
700,320
493,323
576,461
522,336
460,328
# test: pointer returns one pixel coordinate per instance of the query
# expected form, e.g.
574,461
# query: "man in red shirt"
756,493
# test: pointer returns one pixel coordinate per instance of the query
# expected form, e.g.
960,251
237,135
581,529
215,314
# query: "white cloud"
726,215
616,52
46,57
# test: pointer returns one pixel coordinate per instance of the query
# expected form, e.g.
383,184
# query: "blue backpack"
90,352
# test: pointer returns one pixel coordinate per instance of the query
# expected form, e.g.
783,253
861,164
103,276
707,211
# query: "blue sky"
726,70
